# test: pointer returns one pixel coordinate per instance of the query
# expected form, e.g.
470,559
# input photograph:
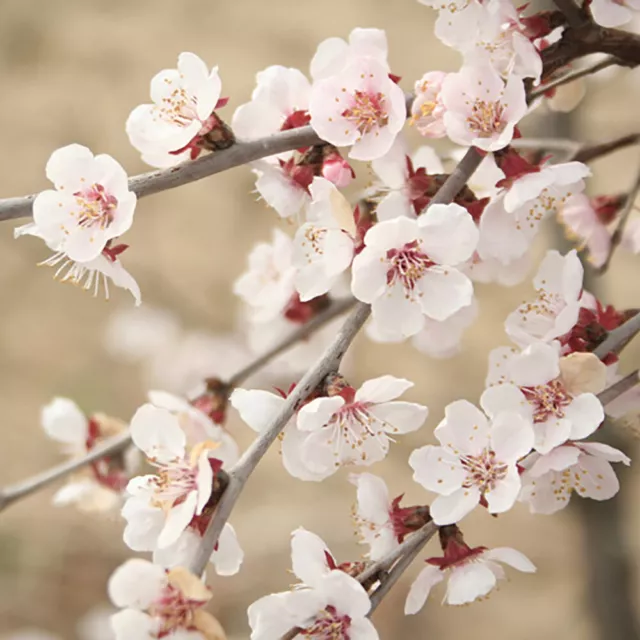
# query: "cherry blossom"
555,310
406,181
613,13
427,110
355,426
472,573
183,484
359,107
585,222
382,523
583,468
324,246
480,109
488,269
631,236
476,462
534,384
160,603
458,21
175,127
91,203
99,486
407,269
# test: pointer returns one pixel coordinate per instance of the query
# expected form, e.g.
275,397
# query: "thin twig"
623,218
14,492
119,443
240,473
575,17
587,153
618,388
619,337
570,77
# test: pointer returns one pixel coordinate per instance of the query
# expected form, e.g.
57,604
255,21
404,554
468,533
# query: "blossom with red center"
472,572
99,486
476,462
480,108
382,523
181,120
160,603
408,269
359,107
536,384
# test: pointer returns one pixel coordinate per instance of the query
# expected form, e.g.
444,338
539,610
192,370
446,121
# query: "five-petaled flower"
476,462
160,603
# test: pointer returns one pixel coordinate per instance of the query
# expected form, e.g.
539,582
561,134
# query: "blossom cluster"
417,262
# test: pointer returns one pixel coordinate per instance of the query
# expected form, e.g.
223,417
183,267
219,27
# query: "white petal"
308,557
511,437
505,397
382,389
399,417
512,557
437,469
444,292
137,583
62,420
257,408
421,587
557,459
504,495
227,558
469,582
464,428
157,432
537,364
178,520
373,497
318,413
130,624
452,508
586,414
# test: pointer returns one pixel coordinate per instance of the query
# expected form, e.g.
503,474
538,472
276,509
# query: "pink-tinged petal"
373,497
437,469
326,104
198,82
394,205
381,542
157,432
465,429
55,216
178,520
391,234
391,168
316,414
144,524
444,291
130,623
395,312
469,582
505,398
449,234
551,433
329,58
362,629
280,192
428,158
608,13
512,436
368,276
537,364
557,459
228,557
376,143
63,421
137,584
543,496
257,408
256,119
369,43
346,594
292,458
204,481
504,495
604,451
382,389
75,492
421,587
598,480
512,557
452,508
181,553
586,414
163,84
399,417
499,365
308,557
68,165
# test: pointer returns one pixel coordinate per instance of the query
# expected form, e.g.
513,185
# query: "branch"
459,177
575,17
619,337
146,184
592,152
616,238
119,443
240,473
618,388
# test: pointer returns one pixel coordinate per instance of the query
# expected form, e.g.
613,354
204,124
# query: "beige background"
71,72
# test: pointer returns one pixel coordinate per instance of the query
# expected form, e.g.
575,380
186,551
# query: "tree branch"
618,388
619,337
575,17
119,443
587,153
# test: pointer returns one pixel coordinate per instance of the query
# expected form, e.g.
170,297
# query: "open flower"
544,389
427,110
324,246
175,126
98,486
583,468
555,311
407,269
91,203
359,107
159,603
481,110
472,573
458,21
356,426
183,484
477,462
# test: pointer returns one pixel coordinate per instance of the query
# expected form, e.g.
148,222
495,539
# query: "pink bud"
337,170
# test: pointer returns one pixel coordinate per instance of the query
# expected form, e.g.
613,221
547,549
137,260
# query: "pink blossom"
458,21
427,110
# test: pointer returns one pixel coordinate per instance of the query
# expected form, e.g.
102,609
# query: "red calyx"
406,520
113,251
608,207
513,165
302,175
455,550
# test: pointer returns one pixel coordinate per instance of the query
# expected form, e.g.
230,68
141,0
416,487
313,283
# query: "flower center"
548,400
547,305
178,108
483,470
367,111
174,481
174,610
96,207
486,118
407,265
328,625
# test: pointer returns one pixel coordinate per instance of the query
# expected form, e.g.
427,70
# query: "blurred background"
72,70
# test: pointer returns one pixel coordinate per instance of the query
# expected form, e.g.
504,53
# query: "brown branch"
587,153
619,337
618,388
